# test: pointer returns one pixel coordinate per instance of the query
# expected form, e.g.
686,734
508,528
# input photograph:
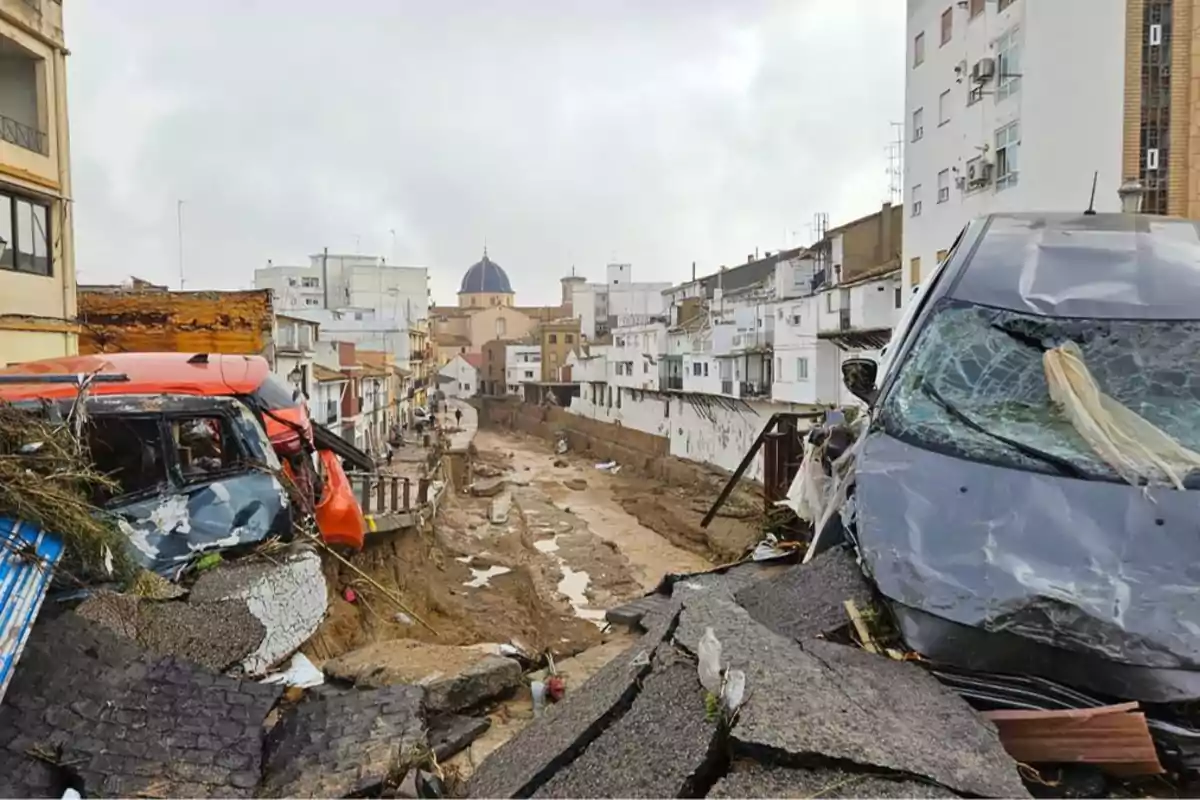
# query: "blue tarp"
27,559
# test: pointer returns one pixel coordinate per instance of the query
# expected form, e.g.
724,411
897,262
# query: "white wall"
354,281
522,364
698,430
328,391
465,378
1069,106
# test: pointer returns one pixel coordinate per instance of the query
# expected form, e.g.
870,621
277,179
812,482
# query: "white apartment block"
346,281
522,364
364,327
1016,105
639,342
599,306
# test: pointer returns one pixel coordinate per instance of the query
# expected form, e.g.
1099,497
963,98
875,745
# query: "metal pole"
179,226
325,274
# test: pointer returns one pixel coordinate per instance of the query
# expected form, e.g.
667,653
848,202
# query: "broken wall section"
236,323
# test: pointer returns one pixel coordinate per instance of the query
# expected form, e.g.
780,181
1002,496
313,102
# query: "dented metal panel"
27,558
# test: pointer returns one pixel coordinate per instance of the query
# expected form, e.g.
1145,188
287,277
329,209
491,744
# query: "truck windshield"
981,365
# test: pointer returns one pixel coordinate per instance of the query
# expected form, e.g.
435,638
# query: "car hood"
1097,568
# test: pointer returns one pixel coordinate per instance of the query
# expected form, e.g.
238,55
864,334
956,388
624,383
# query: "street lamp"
1132,194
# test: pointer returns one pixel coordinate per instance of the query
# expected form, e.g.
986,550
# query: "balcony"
295,339
844,319
726,387
754,389
673,383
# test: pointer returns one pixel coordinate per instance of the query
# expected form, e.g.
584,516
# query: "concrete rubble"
815,712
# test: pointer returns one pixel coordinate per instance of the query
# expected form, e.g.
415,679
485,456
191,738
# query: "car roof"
1110,266
148,373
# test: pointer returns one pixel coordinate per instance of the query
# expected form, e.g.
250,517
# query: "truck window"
129,450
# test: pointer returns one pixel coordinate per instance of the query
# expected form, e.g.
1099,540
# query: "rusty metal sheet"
27,558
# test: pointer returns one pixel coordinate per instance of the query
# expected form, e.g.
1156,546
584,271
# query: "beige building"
37,252
558,339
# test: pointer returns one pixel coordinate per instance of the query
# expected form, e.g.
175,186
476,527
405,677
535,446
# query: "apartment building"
600,306
1024,105
557,340
37,245
331,281
522,364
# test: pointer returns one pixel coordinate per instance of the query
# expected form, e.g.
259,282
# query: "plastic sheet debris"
301,673
538,690
709,662
561,446
771,548
733,692
610,467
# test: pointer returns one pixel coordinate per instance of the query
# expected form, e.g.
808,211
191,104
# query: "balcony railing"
22,135
754,389
844,319
726,387
673,383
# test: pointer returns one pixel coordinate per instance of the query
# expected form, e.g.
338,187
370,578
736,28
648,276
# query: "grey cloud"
564,132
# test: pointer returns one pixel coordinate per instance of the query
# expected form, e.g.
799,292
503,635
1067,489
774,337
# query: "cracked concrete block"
288,596
663,746
807,600
751,779
451,734
454,678
128,722
342,745
529,759
499,508
856,707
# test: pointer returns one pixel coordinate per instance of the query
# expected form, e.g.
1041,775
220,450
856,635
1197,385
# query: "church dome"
485,277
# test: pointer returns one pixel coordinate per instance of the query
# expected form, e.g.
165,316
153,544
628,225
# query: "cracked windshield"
689,398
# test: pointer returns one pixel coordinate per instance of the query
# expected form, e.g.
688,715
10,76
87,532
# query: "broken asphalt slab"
823,701
807,600
750,779
454,678
488,487
499,508
663,746
452,733
342,745
527,761
125,722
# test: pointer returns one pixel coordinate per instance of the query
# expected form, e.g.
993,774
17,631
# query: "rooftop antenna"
1091,209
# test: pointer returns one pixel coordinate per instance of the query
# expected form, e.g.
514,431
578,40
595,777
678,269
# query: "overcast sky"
564,132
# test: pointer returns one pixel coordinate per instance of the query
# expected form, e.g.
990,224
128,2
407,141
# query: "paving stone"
829,701
453,733
806,600
529,759
342,745
724,580
454,678
124,718
488,487
663,746
750,779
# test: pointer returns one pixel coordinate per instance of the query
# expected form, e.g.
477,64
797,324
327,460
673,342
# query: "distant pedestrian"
458,417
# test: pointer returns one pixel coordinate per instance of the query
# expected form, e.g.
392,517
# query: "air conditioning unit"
984,70
794,319
979,173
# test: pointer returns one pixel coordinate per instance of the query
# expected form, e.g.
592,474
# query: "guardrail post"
379,498
395,493
422,491
407,488
365,493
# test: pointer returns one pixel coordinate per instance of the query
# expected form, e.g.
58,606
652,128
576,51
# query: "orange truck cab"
310,454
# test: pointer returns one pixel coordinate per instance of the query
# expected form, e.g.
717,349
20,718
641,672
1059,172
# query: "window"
311,301
1008,144
916,200
529,374
1008,64
899,299
918,124
919,50
570,338
801,369
645,367
618,397
501,327
977,7
706,369
943,108
129,450
941,255
944,186
1152,158
203,446
1003,4
947,26
1155,35
310,283
25,231
696,369
553,339
914,271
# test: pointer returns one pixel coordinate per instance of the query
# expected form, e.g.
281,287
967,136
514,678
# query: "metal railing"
23,135
388,494
844,319
726,387
673,383
754,389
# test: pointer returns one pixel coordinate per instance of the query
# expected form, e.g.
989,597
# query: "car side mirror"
859,375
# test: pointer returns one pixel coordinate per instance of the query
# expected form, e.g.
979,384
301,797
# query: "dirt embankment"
574,542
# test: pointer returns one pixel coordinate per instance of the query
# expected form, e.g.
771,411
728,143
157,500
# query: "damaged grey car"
1026,490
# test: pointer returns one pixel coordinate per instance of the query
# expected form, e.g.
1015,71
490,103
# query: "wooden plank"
1114,738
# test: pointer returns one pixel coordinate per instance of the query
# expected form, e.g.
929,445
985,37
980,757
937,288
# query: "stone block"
750,779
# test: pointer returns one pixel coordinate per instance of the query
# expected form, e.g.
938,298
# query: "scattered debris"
577,484
610,467
489,487
301,674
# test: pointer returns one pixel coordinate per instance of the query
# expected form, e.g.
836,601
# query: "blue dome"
486,277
